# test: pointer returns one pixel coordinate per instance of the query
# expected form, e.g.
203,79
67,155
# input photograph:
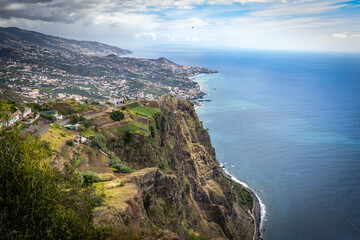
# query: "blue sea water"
288,124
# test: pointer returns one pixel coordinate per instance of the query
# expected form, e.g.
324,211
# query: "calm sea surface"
288,124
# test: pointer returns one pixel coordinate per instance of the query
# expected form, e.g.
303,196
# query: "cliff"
178,190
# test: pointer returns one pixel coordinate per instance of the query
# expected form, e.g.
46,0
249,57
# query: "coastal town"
41,74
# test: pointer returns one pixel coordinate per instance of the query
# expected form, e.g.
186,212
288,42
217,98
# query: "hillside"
176,188
43,68
13,37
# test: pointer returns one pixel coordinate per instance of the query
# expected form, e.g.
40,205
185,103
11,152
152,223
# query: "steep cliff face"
178,190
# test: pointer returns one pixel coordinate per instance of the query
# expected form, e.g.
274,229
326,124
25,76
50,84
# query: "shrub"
128,136
57,126
89,178
74,119
152,130
117,115
87,123
33,202
70,142
100,141
51,118
122,167
82,119
116,163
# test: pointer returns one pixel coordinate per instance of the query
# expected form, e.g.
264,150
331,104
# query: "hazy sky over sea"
242,24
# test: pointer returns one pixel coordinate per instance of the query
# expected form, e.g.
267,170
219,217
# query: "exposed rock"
180,190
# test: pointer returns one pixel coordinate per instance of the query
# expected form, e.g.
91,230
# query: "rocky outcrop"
179,190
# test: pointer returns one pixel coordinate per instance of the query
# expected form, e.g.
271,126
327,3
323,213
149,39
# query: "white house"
26,112
13,118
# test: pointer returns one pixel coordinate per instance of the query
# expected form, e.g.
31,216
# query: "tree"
74,119
33,203
82,119
87,123
117,115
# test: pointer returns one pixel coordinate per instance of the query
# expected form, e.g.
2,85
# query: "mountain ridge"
13,37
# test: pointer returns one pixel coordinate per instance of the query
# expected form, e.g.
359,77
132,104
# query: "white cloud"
339,35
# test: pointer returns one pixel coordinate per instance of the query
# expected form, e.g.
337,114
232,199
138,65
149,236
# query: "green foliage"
128,136
117,115
152,130
100,141
116,163
89,177
51,118
33,204
57,126
70,142
82,119
146,111
71,107
87,123
134,105
74,119
157,124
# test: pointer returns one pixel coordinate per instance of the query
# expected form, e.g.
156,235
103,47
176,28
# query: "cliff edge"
178,190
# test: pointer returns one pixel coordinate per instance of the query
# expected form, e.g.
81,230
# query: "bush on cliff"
117,115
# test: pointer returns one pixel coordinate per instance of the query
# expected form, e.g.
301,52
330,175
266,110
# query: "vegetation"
89,178
34,205
134,105
146,111
136,127
116,163
100,141
117,115
74,119
87,123
56,137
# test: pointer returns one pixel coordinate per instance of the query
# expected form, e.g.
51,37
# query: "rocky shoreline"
256,211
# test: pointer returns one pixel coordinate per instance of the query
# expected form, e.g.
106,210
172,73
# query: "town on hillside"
41,75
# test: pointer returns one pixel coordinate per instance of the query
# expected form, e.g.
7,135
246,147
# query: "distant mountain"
13,37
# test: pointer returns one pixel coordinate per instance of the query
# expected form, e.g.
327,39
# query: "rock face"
179,190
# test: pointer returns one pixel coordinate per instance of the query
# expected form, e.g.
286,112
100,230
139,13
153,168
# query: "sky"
301,25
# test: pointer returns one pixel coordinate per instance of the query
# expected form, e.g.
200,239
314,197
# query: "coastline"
258,211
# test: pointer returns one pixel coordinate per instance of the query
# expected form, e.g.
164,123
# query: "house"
27,111
115,101
13,118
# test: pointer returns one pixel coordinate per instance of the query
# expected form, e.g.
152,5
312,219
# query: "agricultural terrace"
145,111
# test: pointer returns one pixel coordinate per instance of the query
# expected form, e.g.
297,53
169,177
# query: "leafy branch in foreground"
33,203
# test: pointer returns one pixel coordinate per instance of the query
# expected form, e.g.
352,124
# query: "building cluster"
18,115
41,75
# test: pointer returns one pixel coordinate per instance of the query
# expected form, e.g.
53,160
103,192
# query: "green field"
145,111
134,128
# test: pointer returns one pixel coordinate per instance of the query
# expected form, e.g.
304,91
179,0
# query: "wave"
262,205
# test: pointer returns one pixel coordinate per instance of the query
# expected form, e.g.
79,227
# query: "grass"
69,107
56,137
134,105
88,133
116,196
134,127
146,111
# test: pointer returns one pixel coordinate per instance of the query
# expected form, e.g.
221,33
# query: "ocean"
288,125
